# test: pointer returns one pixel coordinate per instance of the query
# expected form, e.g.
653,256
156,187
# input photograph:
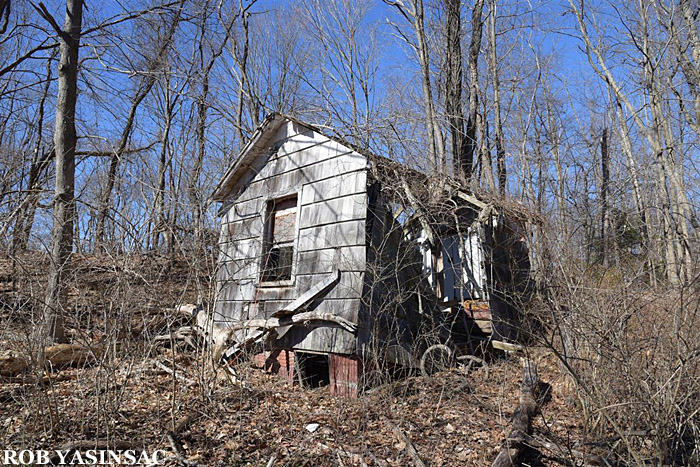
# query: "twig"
410,449
172,372
177,454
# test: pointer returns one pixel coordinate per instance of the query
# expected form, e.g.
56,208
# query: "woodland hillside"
581,119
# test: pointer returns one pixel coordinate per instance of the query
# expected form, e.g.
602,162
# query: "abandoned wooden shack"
355,257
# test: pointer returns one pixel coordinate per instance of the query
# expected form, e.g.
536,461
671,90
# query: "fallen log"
65,355
11,363
521,429
56,357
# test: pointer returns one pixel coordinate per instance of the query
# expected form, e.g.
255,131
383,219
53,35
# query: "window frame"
270,203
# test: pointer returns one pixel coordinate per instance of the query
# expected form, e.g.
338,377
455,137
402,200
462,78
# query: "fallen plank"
310,295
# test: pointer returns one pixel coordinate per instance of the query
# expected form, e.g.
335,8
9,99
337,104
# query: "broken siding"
330,182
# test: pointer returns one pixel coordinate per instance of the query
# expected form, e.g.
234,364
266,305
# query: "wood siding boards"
347,208
335,187
335,235
331,183
343,168
350,258
319,338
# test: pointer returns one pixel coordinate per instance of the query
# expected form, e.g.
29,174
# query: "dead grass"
452,419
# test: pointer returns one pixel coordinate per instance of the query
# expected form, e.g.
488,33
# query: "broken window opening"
280,233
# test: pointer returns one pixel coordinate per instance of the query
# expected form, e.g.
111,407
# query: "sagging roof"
259,141
381,168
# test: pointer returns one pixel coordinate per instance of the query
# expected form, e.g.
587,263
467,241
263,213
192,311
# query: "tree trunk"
495,80
435,144
453,97
467,162
604,191
65,140
159,201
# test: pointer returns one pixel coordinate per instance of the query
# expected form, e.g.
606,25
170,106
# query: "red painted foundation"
277,362
344,371
345,375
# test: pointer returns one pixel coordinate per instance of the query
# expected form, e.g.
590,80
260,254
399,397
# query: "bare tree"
501,168
65,141
466,163
414,13
149,76
453,93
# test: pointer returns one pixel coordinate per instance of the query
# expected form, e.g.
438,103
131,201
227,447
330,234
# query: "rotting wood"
410,449
11,363
516,441
65,355
56,357
310,295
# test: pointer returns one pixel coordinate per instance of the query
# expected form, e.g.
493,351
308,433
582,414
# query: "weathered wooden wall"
330,181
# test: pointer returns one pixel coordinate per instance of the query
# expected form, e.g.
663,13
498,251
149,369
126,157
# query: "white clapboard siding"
300,152
247,269
242,209
351,258
332,235
241,250
349,286
343,169
319,337
336,186
242,229
347,208
237,290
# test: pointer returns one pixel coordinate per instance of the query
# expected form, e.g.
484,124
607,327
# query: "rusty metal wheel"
436,358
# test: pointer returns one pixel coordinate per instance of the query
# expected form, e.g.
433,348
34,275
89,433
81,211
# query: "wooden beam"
310,295
299,318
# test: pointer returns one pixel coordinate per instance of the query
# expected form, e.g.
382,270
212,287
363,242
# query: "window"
280,230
